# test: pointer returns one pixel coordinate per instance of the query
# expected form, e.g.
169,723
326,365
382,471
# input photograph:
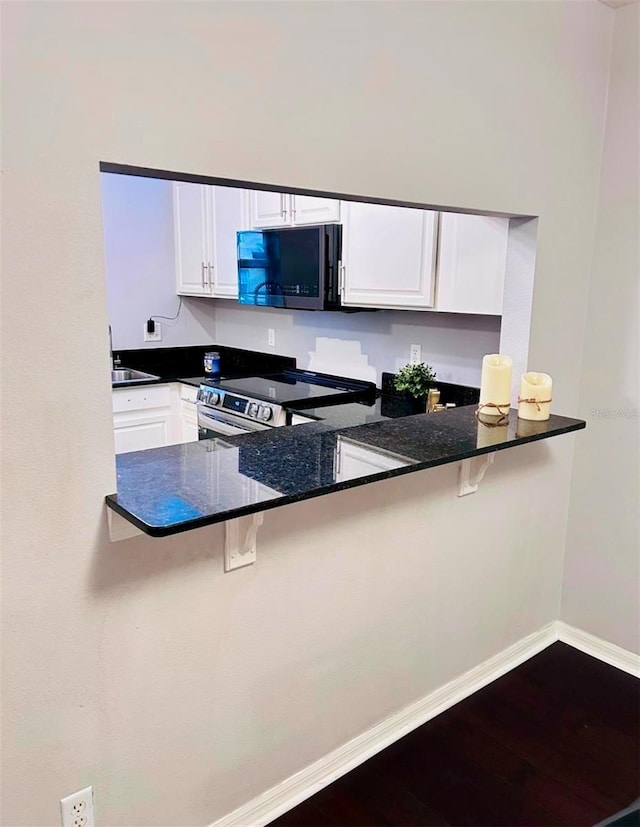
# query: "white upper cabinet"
230,214
278,209
388,253
309,209
388,256
206,220
471,263
192,239
269,209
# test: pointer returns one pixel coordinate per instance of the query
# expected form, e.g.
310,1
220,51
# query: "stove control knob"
253,409
266,413
214,398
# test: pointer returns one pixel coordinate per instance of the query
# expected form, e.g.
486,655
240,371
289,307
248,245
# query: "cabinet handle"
202,276
210,268
283,208
342,278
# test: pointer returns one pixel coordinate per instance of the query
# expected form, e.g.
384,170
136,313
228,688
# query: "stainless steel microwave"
296,267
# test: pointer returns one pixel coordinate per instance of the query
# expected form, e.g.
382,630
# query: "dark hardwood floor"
554,742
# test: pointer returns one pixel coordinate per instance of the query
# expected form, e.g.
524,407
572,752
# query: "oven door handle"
225,427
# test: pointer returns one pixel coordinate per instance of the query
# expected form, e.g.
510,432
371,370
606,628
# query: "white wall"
602,573
362,345
140,266
177,691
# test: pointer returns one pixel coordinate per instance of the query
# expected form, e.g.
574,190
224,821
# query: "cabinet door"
270,209
137,432
190,219
308,209
230,214
188,427
472,262
388,256
188,421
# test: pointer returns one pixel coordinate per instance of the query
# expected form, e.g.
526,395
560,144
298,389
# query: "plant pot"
416,404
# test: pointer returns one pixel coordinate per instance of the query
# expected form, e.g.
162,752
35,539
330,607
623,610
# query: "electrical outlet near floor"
271,337
416,354
76,810
156,336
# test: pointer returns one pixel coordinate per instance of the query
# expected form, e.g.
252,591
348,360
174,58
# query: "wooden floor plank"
555,742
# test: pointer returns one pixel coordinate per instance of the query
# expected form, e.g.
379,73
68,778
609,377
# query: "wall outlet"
76,810
156,336
271,337
416,354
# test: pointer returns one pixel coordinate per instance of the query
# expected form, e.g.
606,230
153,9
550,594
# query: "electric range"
235,406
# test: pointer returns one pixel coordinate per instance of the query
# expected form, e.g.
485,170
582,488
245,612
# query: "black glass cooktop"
298,387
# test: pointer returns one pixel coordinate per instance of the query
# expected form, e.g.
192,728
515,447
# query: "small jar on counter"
212,365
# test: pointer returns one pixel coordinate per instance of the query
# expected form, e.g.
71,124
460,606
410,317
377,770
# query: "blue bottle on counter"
212,365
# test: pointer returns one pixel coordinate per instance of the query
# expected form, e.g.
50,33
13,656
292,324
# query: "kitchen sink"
128,375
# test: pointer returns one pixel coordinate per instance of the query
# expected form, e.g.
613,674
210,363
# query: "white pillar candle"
495,385
535,396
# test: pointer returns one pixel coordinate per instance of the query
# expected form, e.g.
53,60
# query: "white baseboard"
599,648
301,785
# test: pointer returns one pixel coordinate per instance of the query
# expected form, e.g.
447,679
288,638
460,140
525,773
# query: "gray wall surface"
137,216
601,592
363,345
181,692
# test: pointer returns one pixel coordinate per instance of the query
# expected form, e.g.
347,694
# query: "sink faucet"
115,363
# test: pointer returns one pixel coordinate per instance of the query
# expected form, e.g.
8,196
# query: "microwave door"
283,268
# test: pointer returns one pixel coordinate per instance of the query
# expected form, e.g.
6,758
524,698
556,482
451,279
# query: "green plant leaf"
415,379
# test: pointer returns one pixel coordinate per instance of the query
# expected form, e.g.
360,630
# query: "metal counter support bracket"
471,473
240,541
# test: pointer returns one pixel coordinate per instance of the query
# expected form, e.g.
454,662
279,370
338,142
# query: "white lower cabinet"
187,417
142,417
388,256
154,416
354,460
137,432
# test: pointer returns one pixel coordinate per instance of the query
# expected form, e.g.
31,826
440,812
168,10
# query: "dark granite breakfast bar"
178,488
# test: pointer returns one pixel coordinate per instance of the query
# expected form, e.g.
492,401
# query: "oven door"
216,424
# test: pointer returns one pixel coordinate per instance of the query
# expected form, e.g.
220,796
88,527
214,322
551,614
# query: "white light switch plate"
416,354
271,337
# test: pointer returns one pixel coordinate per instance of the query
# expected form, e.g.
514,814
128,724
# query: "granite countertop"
349,415
181,487
196,381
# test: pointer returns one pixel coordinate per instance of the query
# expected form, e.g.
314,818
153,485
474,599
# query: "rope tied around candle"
503,419
482,405
536,402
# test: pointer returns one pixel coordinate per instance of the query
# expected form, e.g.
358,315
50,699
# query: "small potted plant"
416,379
